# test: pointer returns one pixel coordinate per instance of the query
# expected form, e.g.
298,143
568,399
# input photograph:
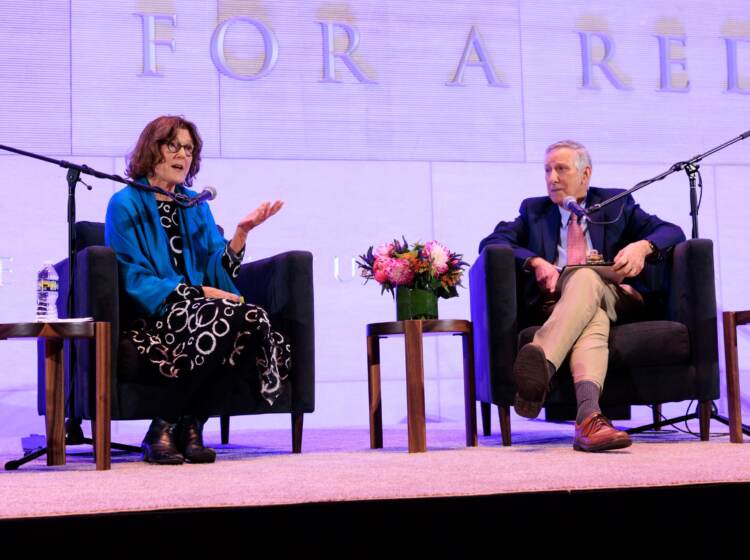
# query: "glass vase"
413,303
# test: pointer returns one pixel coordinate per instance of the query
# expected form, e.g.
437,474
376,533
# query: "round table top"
51,329
429,326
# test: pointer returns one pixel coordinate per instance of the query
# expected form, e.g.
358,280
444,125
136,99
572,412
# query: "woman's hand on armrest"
211,292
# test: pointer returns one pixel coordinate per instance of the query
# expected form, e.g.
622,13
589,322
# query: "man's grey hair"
583,158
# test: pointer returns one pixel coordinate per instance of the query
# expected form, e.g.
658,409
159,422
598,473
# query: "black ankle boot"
190,441
160,446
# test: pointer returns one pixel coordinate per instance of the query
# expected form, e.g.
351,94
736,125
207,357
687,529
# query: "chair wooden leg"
94,439
705,418
486,409
224,421
504,412
656,414
297,420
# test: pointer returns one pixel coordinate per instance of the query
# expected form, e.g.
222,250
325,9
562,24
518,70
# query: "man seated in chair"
546,237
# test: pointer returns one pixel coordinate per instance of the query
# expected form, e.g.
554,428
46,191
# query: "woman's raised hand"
259,215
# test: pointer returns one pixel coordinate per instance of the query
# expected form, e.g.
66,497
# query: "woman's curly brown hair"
147,152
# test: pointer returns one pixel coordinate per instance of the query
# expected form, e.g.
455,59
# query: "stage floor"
257,469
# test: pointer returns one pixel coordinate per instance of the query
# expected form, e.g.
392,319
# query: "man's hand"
546,274
631,259
211,292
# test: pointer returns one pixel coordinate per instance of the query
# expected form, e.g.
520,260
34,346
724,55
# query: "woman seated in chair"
188,319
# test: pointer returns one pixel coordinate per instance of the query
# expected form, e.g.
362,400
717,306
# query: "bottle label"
49,285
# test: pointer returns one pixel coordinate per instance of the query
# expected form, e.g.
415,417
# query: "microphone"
208,193
570,204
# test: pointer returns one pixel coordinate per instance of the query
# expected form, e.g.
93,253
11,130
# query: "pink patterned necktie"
576,242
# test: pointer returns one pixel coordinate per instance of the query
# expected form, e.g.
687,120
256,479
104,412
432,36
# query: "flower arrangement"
430,266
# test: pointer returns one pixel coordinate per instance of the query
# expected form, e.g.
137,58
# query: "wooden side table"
412,332
733,319
54,333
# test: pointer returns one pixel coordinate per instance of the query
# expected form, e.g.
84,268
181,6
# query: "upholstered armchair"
672,356
282,284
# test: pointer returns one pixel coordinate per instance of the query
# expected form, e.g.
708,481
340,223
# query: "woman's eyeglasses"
175,147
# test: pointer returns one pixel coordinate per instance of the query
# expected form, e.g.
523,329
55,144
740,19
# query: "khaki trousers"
580,322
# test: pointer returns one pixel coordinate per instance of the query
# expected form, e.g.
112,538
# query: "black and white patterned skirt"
215,333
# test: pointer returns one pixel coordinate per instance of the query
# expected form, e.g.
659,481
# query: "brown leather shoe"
596,433
532,373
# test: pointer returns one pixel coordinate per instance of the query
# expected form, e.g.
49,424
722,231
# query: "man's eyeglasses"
174,147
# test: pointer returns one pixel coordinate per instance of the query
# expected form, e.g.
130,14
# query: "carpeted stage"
338,480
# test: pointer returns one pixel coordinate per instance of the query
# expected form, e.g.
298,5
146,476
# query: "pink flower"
379,269
384,250
399,272
438,255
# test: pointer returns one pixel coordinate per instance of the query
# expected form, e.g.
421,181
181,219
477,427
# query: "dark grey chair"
282,285
671,357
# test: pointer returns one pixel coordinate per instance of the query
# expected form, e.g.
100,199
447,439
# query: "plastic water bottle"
47,289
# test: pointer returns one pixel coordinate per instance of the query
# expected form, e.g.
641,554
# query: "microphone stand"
690,167
74,434
73,177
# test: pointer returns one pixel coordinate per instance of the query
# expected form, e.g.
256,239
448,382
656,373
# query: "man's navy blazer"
536,231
